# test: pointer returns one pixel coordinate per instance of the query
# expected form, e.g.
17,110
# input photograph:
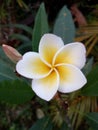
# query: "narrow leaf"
40,27
23,27
64,26
20,26
20,37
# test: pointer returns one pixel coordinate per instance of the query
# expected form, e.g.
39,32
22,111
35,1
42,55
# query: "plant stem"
63,105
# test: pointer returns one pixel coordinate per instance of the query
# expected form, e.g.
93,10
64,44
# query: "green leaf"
91,88
20,37
20,26
40,27
6,68
92,119
42,124
6,73
25,47
64,26
93,75
23,27
87,68
15,92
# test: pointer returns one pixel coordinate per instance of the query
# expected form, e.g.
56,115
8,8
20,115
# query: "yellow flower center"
53,67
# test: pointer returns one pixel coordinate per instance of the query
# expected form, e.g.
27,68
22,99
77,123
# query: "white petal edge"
72,78
72,53
31,66
48,46
47,87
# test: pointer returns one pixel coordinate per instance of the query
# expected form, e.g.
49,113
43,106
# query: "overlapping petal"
73,53
71,78
47,87
31,66
55,67
48,46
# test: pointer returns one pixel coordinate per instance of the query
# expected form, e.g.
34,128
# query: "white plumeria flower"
55,67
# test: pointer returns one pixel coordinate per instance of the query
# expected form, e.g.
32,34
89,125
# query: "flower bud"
12,53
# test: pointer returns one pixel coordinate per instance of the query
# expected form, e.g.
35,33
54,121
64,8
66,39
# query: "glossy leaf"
7,68
6,73
40,27
15,92
91,88
64,26
87,68
42,124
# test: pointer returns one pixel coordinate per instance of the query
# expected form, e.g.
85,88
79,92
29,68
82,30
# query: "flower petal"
31,66
49,45
71,78
47,87
73,53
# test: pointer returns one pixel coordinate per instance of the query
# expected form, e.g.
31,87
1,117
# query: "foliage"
69,111
7,3
44,123
92,119
6,68
16,91
60,28
40,27
89,35
92,83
